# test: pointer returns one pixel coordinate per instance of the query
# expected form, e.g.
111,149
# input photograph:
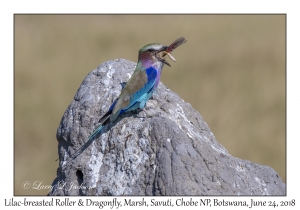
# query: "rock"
167,150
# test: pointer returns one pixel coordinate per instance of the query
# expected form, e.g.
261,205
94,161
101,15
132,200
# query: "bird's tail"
104,120
98,129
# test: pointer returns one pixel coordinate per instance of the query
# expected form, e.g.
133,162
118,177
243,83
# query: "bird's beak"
165,62
163,48
164,52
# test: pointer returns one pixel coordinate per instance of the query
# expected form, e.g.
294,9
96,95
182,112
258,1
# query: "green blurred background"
232,70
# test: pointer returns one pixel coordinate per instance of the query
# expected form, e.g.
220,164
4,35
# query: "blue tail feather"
103,121
95,132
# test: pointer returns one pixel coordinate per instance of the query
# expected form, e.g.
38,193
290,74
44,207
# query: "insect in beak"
167,50
164,53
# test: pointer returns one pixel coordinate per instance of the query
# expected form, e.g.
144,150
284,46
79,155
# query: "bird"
143,82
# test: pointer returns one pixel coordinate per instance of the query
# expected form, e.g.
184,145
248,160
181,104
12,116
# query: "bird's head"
152,53
155,53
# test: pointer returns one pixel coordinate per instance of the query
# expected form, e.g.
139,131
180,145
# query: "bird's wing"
141,82
135,91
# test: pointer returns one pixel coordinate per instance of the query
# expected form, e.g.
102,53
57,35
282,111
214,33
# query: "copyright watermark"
39,185
26,185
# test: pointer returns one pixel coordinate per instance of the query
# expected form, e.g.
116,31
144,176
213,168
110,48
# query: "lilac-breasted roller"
142,83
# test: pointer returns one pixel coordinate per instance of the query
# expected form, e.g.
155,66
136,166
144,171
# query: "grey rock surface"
165,149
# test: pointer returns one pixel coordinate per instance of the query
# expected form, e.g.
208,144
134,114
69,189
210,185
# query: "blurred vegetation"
232,70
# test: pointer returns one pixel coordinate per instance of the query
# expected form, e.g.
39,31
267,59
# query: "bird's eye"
150,50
